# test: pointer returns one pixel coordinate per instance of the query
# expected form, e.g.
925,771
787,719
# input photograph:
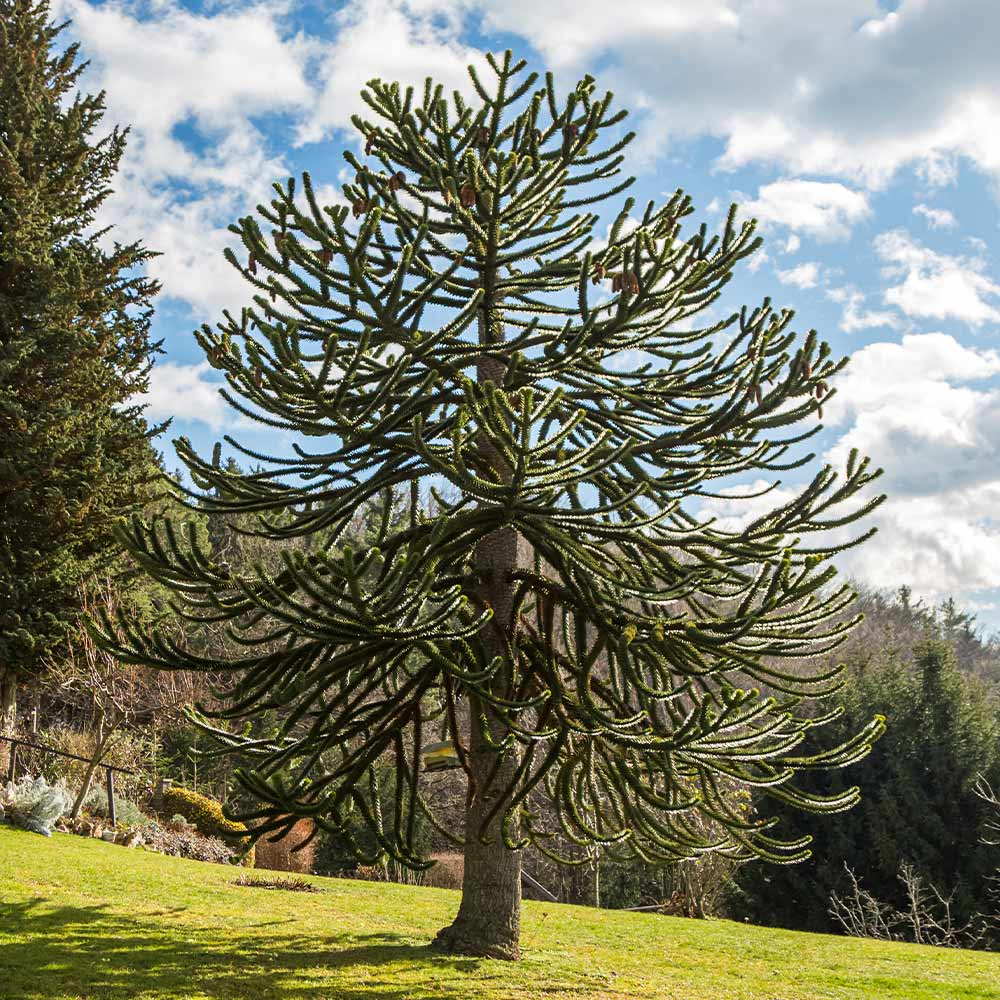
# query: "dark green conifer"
74,348
589,644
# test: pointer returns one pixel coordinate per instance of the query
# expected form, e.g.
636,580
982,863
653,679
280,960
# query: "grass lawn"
83,919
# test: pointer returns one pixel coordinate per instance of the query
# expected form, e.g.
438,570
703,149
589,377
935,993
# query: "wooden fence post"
111,797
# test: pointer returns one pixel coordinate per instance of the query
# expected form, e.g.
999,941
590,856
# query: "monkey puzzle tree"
566,619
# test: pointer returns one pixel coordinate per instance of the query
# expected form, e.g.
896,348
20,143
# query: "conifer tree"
586,642
74,349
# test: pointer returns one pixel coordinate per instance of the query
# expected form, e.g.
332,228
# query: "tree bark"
103,735
8,716
489,916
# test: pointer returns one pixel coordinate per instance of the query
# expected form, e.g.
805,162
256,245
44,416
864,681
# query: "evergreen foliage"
591,645
75,456
919,804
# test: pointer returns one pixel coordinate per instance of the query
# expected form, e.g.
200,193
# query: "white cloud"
937,438
792,244
803,276
824,210
836,87
210,73
185,392
936,285
937,218
405,41
854,315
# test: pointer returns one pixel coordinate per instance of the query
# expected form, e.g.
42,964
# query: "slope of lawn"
83,919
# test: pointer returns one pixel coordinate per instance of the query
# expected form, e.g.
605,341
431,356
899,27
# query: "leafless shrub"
927,919
447,873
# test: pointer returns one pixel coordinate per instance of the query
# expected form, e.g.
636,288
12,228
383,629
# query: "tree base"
478,942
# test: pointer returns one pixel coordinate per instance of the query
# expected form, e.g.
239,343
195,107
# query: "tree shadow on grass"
91,953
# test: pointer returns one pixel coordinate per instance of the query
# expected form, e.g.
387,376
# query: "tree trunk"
102,741
489,917
8,716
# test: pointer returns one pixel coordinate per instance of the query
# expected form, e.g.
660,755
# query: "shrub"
447,871
206,815
36,805
289,884
126,813
188,843
203,812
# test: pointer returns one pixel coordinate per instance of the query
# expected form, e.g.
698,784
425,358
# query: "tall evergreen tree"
75,455
565,619
920,803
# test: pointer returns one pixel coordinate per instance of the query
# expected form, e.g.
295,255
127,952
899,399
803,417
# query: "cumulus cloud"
803,276
792,244
824,210
854,315
199,74
405,41
185,392
933,427
935,285
937,218
843,88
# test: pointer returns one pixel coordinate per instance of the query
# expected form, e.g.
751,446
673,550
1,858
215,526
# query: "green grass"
83,919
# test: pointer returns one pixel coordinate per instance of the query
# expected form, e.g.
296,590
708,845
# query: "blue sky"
861,134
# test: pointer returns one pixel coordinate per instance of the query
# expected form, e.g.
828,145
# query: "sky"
861,134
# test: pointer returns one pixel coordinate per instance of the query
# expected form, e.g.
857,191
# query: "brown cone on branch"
252,264
326,255
370,143
482,136
467,194
360,207
599,273
258,377
571,131
396,181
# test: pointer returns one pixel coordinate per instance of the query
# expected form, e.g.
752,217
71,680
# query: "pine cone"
467,193
599,273
252,264
360,207
571,131
258,377
370,143
616,283
326,255
482,136
396,181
